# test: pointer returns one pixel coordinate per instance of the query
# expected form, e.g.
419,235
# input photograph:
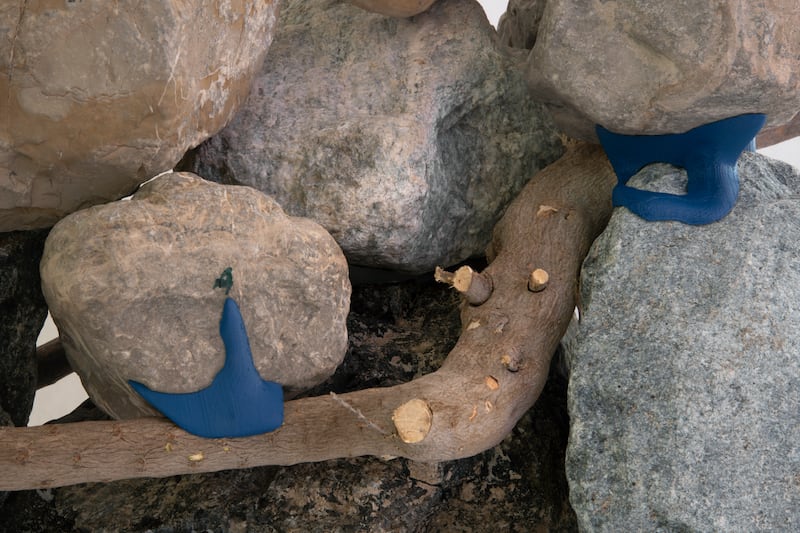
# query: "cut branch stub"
538,280
511,359
51,363
413,420
475,286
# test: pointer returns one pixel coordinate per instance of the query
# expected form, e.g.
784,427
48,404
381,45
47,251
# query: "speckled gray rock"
684,404
130,287
22,314
405,138
97,97
668,66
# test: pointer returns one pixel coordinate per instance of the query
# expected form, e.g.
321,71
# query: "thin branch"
358,414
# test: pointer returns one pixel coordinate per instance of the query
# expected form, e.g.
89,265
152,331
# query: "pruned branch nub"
476,287
413,420
538,280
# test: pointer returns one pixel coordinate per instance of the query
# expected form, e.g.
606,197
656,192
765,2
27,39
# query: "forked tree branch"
489,380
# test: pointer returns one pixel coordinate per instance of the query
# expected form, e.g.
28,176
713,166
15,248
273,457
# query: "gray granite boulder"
665,67
684,391
130,286
405,138
22,314
97,97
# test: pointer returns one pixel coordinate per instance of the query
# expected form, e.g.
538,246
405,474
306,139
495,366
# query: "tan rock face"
394,8
130,285
97,97
667,66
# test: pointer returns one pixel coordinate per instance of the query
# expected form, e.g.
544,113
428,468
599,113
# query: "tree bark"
489,380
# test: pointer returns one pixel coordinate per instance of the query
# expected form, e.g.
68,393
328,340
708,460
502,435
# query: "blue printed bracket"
708,153
238,403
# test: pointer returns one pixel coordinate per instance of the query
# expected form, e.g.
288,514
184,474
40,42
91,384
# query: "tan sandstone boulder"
130,285
97,97
668,66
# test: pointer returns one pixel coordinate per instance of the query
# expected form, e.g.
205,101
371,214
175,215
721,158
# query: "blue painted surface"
708,153
238,403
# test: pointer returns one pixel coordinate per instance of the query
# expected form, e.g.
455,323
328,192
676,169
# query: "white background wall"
61,398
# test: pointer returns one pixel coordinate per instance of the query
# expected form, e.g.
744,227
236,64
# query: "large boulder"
405,138
684,405
130,286
665,67
97,97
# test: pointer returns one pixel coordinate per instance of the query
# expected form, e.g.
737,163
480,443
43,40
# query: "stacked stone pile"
322,136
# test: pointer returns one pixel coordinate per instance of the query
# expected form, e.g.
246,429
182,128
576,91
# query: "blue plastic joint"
708,153
238,403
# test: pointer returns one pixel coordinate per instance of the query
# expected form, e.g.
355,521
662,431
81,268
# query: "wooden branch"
538,279
51,363
489,380
476,287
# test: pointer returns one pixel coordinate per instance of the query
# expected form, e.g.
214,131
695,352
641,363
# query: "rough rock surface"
397,331
405,138
685,373
394,8
22,314
519,25
97,97
665,67
130,286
